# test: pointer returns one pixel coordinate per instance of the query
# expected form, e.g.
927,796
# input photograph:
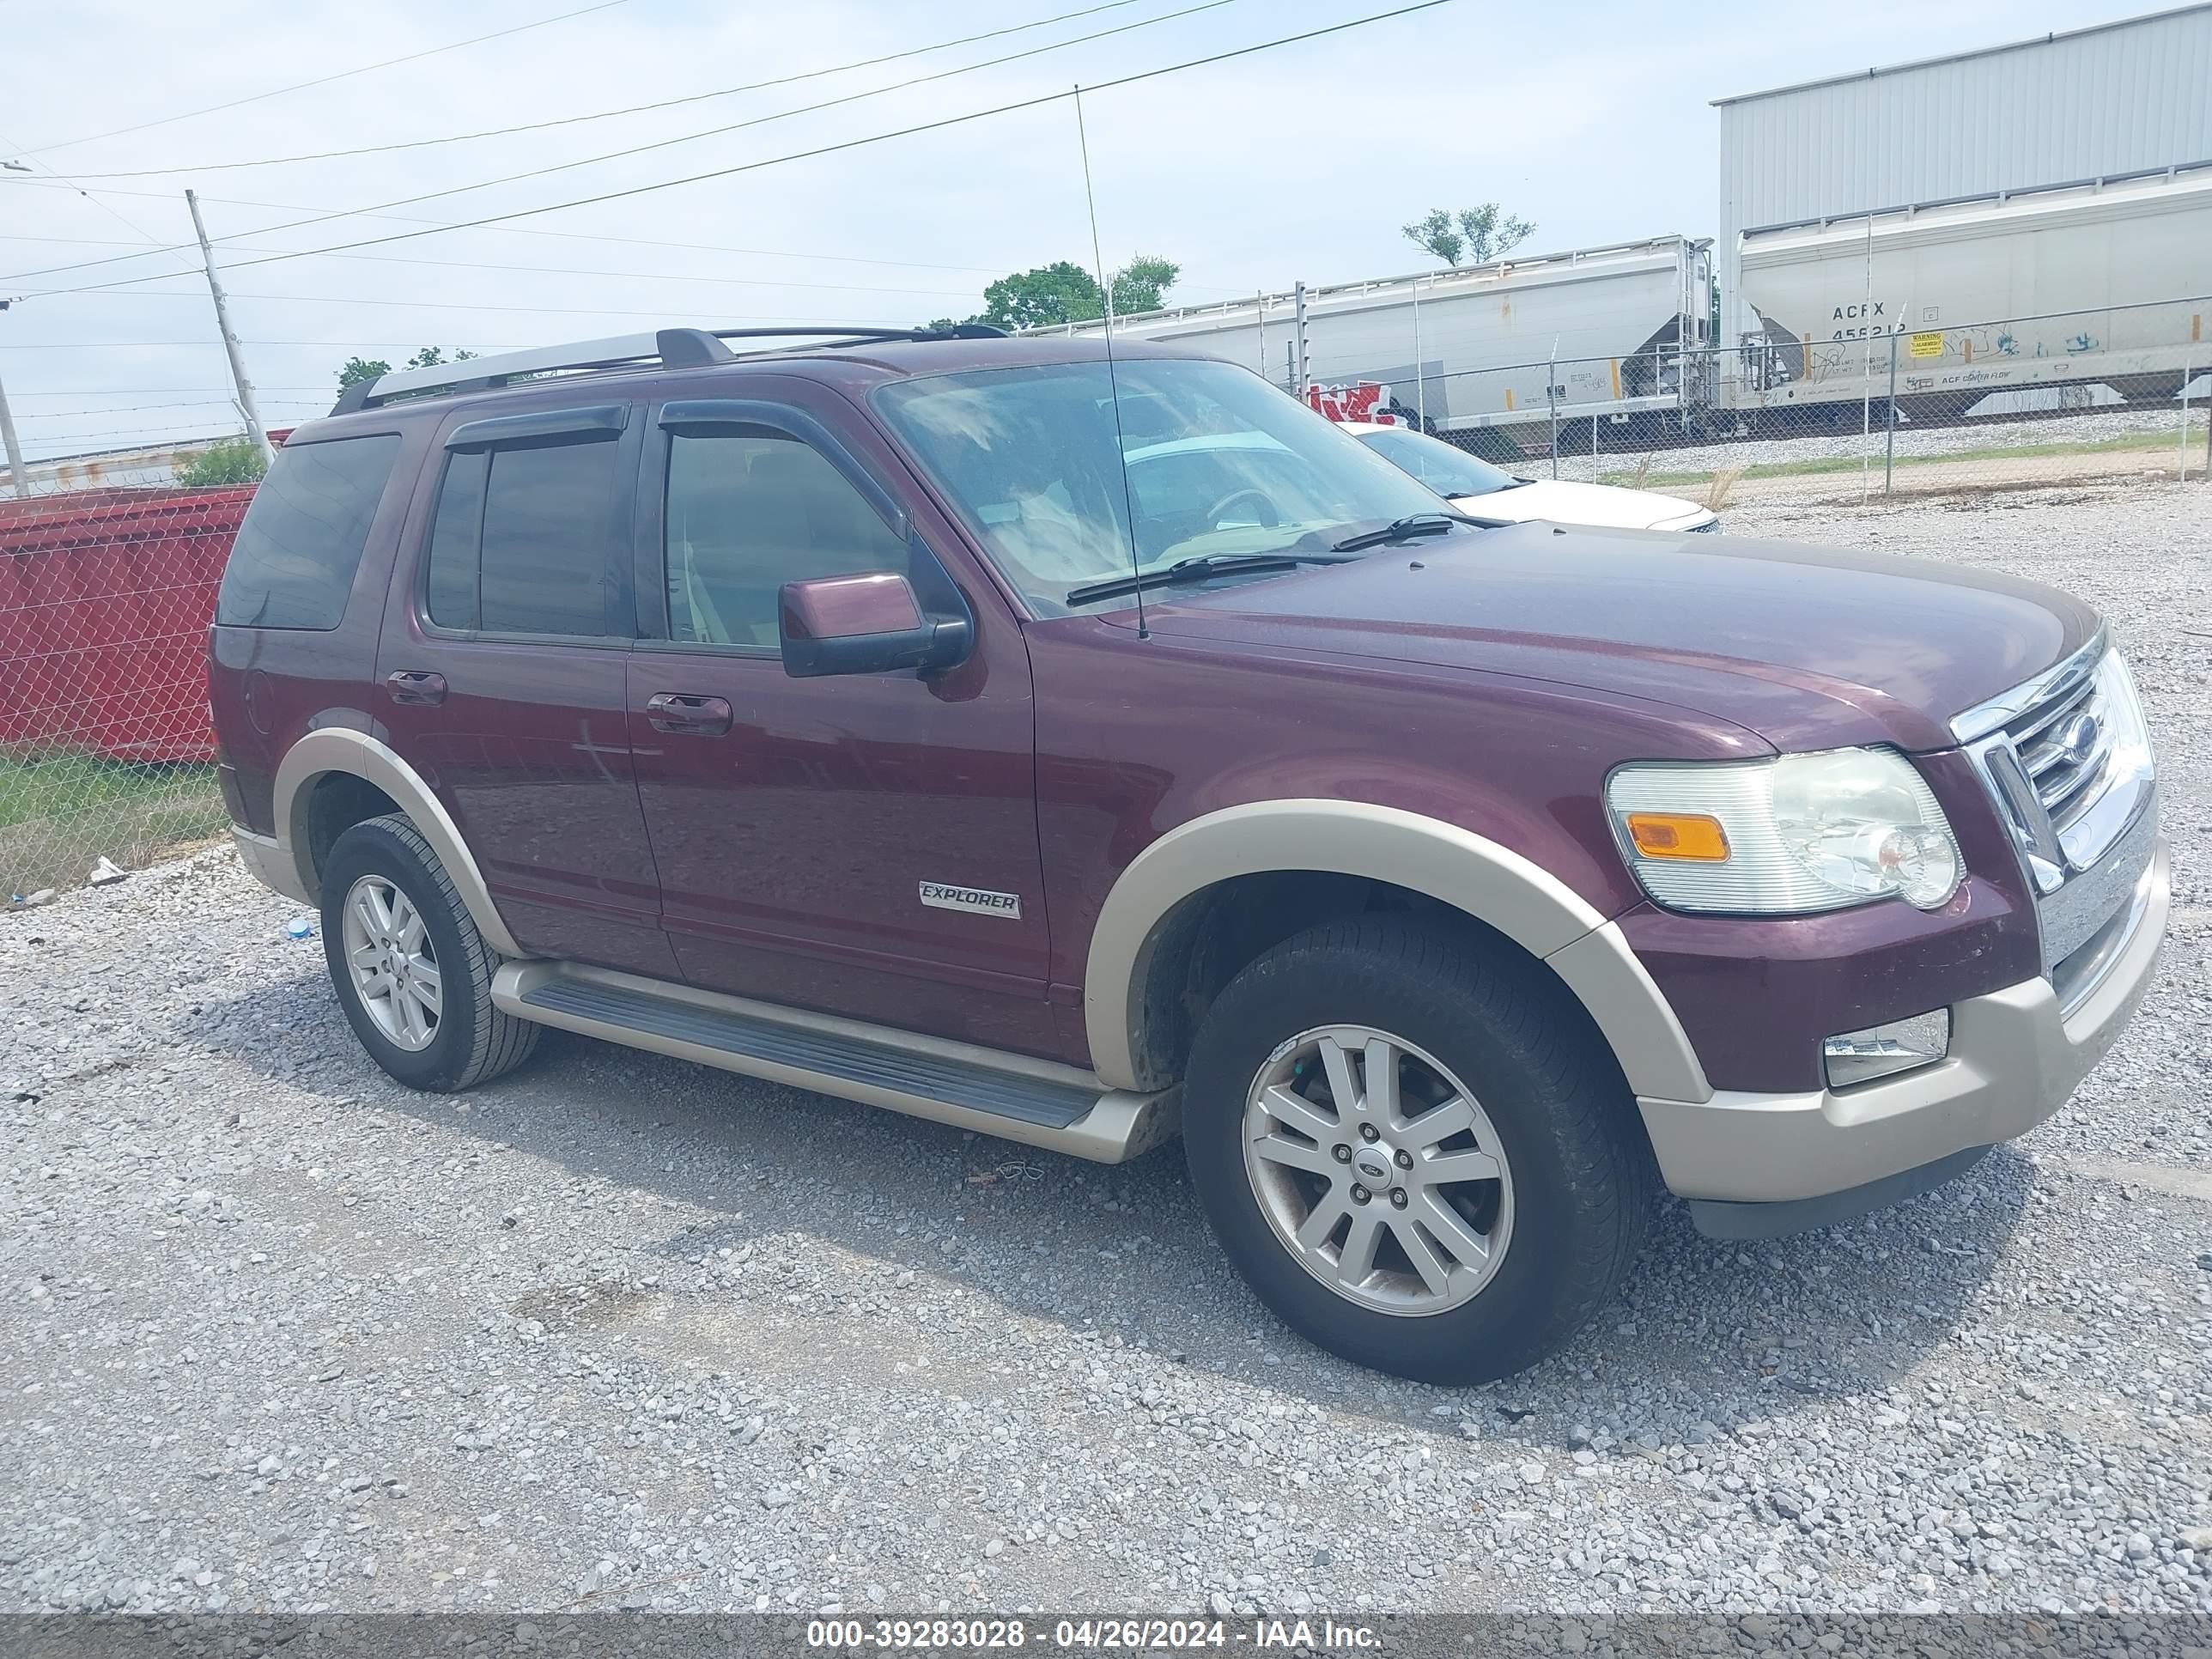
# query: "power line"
502,230
185,428
1037,103
144,234
141,408
437,305
665,143
323,81
145,391
610,114
549,270
1181,283
552,270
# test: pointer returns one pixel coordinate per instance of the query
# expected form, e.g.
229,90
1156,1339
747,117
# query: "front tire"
1418,1159
410,970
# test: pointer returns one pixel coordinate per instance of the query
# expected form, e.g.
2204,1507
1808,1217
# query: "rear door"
501,675
801,826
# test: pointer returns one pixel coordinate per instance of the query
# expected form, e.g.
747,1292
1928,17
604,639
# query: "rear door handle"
687,716
416,686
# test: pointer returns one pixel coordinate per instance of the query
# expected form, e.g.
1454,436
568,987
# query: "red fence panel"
106,597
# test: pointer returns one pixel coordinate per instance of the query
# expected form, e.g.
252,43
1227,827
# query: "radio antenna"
1113,380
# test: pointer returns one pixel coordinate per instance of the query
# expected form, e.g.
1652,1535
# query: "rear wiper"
1413,525
1204,567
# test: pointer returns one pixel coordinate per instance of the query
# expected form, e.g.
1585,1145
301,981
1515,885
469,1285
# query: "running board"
1038,1102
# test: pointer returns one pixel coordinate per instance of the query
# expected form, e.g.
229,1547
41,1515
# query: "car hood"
1565,502
1809,648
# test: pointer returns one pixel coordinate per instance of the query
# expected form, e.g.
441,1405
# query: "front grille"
2065,744
2067,760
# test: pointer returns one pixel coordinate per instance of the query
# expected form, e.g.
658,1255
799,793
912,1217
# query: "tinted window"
451,580
747,514
548,530
292,562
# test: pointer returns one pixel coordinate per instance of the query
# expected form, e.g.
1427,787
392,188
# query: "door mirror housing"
869,625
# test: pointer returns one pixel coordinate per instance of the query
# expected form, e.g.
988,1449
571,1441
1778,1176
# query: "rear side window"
292,562
522,540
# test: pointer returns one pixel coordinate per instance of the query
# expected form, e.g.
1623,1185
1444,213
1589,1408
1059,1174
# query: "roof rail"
669,347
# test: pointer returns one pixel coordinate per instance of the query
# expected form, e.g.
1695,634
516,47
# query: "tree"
1143,284
1065,292
1481,233
369,368
233,461
1057,293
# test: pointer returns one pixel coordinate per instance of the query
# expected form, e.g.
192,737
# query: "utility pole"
16,477
253,429
1300,369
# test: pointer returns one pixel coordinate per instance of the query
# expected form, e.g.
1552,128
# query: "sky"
1297,163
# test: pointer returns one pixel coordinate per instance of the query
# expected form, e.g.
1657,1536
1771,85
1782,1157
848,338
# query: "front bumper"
2016,1055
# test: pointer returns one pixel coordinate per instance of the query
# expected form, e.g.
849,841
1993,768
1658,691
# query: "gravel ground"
2097,427
619,1331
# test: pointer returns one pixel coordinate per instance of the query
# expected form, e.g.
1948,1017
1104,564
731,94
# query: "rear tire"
410,970
1444,1272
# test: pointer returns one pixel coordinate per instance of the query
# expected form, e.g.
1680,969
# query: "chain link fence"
107,583
1864,414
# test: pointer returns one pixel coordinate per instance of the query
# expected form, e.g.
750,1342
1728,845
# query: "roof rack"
670,348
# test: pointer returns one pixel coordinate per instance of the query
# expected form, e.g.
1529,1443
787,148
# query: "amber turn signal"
1689,836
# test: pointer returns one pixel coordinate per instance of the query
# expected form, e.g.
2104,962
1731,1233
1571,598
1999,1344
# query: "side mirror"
869,625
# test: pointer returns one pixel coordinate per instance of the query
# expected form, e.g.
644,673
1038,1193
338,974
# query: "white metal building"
2129,97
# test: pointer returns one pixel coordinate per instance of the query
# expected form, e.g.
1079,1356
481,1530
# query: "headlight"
1785,836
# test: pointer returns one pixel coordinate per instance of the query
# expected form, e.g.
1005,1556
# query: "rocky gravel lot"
2051,432
620,1333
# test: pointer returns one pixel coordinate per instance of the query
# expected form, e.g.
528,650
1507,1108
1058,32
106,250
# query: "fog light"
1885,1050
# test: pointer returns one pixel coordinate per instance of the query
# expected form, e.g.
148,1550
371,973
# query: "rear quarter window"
293,562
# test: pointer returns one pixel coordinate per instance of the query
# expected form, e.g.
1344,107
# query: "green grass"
61,811
1817,465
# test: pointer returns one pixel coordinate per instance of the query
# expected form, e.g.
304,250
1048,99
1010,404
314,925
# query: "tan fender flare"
1489,882
340,749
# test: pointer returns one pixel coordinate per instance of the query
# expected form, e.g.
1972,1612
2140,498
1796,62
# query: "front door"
501,677
864,845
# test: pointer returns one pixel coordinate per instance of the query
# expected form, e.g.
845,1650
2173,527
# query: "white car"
1474,486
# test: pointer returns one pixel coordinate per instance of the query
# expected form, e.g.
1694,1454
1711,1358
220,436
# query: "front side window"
747,513
1445,468
1218,462
292,564
522,540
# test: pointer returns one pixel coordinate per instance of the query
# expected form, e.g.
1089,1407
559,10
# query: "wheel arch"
1156,899
342,751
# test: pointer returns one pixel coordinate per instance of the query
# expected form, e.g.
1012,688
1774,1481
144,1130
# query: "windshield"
1445,469
1218,462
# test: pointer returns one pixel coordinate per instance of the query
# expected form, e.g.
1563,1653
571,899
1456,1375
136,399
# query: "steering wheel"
1269,515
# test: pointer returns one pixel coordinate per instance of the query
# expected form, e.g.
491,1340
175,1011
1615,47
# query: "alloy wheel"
1378,1171
394,967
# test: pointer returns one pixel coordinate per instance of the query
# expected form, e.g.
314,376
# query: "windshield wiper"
1413,525
1204,567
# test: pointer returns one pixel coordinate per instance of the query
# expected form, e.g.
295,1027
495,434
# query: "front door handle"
687,716
415,687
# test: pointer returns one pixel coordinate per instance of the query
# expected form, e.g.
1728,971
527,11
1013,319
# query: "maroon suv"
1080,749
